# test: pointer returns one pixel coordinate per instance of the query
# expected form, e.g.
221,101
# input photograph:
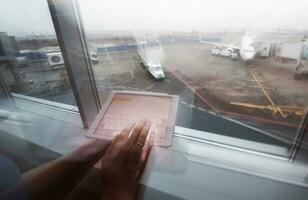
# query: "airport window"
241,78
245,82
32,63
240,84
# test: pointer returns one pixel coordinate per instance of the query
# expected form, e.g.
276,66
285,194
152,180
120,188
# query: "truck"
152,58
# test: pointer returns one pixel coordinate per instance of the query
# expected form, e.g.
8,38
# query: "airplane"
246,49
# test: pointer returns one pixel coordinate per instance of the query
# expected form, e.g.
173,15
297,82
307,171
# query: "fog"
198,15
32,16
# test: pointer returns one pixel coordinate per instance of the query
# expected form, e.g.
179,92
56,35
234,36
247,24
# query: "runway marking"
260,119
183,102
194,91
150,87
243,116
199,108
268,88
289,109
194,106
235,114
267,95
261,81
191,106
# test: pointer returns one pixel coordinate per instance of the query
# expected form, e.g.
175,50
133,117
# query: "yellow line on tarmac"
257,80
288,109
267,95
268,88
249,105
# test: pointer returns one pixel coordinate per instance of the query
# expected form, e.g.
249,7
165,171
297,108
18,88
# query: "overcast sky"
32,16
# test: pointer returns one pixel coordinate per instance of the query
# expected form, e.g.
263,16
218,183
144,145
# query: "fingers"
132,146
125,133
136,150
135,133
144,133
122,137
145,154
90,152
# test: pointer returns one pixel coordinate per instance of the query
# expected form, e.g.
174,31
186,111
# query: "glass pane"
232,64
31,60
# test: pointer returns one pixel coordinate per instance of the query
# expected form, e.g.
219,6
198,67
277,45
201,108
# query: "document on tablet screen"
125,109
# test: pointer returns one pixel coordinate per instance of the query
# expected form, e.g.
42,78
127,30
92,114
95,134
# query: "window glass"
31,62
243,76
235,75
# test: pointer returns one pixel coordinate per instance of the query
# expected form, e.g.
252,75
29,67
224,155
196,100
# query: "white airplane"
246,49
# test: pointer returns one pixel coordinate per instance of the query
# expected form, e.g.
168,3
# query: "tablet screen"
125,109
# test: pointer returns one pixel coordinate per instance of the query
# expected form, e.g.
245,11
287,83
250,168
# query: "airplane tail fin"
246,32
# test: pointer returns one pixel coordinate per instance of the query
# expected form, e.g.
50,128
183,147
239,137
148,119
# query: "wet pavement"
122,71
263,96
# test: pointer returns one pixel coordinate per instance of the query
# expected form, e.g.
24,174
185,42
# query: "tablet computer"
123,108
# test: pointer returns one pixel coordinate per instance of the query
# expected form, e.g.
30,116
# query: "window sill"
193,169
50,109
189,169
227,142
237,154
52,125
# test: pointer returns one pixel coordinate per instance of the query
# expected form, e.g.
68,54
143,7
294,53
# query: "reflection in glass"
31,60
241,77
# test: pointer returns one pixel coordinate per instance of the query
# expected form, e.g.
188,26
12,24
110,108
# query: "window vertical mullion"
71,37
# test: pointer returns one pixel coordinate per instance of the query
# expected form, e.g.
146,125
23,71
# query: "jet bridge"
301,69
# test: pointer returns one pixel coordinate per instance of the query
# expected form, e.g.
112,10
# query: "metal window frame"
301,133
72,41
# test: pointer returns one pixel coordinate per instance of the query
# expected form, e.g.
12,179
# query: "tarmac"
262,95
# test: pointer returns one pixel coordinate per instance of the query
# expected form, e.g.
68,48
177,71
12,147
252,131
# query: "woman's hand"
124,161
89,153
57,178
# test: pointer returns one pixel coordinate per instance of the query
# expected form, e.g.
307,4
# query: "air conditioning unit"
55,58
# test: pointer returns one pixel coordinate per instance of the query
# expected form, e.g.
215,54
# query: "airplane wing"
219,44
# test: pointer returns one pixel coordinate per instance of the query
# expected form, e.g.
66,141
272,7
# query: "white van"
156,70
152,58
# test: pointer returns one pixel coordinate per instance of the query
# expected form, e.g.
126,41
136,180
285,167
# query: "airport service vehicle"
234,55
300,71
156,70
229,53
216,51
94,58
226,53
151,59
